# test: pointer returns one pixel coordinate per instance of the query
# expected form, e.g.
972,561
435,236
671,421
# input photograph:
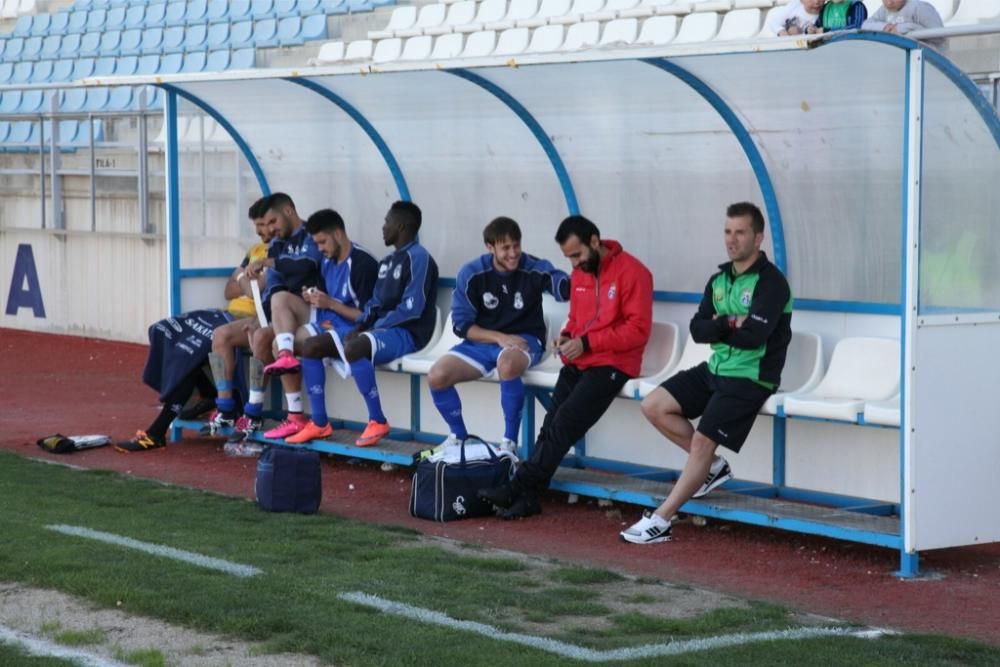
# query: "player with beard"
610,318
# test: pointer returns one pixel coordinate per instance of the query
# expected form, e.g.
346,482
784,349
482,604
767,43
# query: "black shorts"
727,406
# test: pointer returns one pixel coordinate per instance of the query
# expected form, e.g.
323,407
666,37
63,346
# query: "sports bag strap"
489,449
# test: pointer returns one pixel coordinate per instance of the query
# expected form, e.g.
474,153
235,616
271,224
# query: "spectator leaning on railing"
795,18
903,16
840,15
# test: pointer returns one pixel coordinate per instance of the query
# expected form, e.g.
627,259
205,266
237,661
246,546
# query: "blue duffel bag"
289,480
445,484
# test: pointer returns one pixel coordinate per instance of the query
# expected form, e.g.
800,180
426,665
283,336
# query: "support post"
173,205
779,432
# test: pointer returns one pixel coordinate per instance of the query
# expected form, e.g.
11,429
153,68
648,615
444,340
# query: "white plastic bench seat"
512,42
417,48
397,364
802,372
693,354
545,39
658,30
659,358
861,369
547,10
582,36
330,52
975,11
753,4
644,9
885,413
359,49
430,16
489,13
402,17
459,14
546,372
674,8
740,24
387,50
448,46
620,32
946,8
611,10
577,11
421,362
518,10
700,27
482,43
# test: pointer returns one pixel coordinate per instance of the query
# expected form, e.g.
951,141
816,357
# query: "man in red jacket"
610,317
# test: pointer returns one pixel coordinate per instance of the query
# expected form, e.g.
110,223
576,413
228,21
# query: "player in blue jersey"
349,274
399,318
292,264
497,309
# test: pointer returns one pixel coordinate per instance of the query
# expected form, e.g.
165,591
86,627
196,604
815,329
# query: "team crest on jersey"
503,288
490,300
409,303
383,271
745,297
720,294
397,272
611,291
518,300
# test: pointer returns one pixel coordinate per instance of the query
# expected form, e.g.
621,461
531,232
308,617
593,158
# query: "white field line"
40,647
235,569
591,655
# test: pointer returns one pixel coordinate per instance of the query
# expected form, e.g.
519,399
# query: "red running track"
76,386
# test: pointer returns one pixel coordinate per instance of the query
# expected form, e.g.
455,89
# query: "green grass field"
293,606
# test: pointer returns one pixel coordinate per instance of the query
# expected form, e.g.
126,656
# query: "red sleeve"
633,328
570,328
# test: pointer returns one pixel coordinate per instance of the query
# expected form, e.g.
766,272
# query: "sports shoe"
243,449
524,506
372,434
243,427
217,423
140,443
310,432
501,496
508,445
719,473
292,425
650,529
285,363
198,410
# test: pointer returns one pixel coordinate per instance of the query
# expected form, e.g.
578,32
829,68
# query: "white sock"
658,520
256,397
294,401
717,464
286,341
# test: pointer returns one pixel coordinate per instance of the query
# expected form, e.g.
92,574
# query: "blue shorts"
331,323
390,344
484,356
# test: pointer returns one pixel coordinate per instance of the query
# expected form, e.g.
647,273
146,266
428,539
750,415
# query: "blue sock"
450,406
512,402
255,410
364,377
227,406
314,377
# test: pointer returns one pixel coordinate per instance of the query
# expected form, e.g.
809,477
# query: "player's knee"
653,406
313,348
702,446
358,348
437,378
508,370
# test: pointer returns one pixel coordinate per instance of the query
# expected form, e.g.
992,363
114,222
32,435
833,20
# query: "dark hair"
745,208
578,226
501,228
408,214
324,220
278,201
259,208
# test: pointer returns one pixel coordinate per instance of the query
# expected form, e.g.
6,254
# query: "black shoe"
140,443
526,505
500,496
198,410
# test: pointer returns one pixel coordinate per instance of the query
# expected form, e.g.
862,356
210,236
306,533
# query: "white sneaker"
508,445
450,441
650,529
719,473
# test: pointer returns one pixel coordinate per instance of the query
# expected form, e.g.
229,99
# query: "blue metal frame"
753,154
364,124
536,129
207,272
174,203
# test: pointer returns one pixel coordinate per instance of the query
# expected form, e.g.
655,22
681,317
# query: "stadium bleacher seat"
155,14
698,27
582,35
487,13
975,11
110,42
77,21
83,67
10,100
546,372
546,39
173,39
518,10
104,66
314,27
120,98
62,70
22,28
448,46
401,18
22,72
197,12
32,48
51,46
42,73
218,61
4,130
241,34
31,101
577,11
6,71
429,16
171,63
126,65
96,18
115,19
884,413
131,43
265,33
97,99
658,30
152,40
387,50
421,362
135,16
90,44
148,64
239,10
511,42
802,372
861,369
548,10
417,48
12,49
260,9
359,49
658,359
243,59
195,37
194,61
330,52
73,100
218,35
620,32
460,16
217,10
692,355
289,31
285,9
70,46
740,24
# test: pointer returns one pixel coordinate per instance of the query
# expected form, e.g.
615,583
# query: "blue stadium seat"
380,3
197,12
149,64
171,63
68,129
90,44
218,10
41,25
3,46
131,42
20,131
85,5
284,8
31,101
59,23
314,27
135,16
195,36
260,9
194,61
218,61
265,33
10,100
243,59
82,68
105,66
306,7
290,31
51,46
155,14
62,70
22,72
116,19
239,10
77,21
96,19
154,97
42,72
120,98
6,71
100,4
32,48
23,26
241,34
173,39
12,51
176,11
126,65
70,47
218,35
97,99
152,39
4,130
111,42
73,100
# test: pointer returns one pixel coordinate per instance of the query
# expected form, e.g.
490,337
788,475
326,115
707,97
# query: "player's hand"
738,322
509,340
255,268
313,296
890,27
571,349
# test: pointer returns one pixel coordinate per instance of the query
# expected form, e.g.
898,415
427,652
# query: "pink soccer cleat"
292,425
285,363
